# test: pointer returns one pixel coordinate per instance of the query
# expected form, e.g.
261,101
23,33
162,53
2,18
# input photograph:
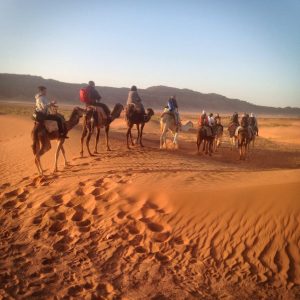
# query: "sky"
241,49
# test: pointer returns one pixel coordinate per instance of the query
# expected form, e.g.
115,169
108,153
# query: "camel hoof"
96,152
108,149
142,145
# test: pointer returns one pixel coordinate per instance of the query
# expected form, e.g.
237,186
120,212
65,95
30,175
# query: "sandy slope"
148,224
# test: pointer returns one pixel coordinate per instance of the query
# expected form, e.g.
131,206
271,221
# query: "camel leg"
128,134
88,142
97,140
175,142
141,134
59,145
39,152
163,138
198,144
83,135
106,137
64,155
210,145
38,164
131,138
138,134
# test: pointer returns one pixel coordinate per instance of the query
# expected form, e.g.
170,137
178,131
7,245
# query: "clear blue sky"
242,49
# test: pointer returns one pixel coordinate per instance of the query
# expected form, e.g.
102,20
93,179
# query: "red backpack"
84,95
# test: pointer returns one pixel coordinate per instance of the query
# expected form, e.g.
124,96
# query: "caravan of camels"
50,125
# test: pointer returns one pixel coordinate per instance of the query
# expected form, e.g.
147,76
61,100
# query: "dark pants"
43,117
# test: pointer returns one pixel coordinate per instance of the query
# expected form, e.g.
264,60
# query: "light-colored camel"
41,138
167,123
97,119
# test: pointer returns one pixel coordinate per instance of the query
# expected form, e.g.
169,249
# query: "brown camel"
41,138
207,141
135,118
243,142
96,118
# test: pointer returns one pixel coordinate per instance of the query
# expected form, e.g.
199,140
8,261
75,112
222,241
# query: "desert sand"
148,223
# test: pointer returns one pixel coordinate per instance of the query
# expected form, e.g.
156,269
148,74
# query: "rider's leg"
58,121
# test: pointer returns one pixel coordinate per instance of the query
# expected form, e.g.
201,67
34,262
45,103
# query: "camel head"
117,111
149,114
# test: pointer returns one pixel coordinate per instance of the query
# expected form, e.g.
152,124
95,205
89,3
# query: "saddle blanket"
51,125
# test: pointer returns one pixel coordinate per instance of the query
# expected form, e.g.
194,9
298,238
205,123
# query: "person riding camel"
204,122
245,124
211,122
218,120
94,99
43,111
234,120
173,109
135,100
253,123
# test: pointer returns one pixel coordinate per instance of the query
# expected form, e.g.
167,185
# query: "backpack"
84,95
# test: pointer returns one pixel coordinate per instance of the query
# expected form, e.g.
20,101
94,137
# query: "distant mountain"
15,87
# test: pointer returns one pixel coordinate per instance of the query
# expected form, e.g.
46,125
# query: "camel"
253,136
207,141
243,142
41,138
232,137
95,118
135,118
167,123
218,130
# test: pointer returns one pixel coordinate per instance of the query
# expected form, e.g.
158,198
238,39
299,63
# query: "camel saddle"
100,113
50,125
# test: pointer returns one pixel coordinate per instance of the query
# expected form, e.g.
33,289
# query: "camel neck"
73,121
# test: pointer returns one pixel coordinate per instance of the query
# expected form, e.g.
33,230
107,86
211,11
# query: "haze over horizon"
249,51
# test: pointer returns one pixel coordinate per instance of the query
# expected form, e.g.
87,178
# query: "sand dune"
149,224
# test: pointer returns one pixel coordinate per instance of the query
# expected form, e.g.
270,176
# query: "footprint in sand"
75,290
53,202
121,214
78,216
37,220
62,245
9,204
140,249
161,257
4,185
56,227
23,196
161,237
155,227
60,216
13,193
136,240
